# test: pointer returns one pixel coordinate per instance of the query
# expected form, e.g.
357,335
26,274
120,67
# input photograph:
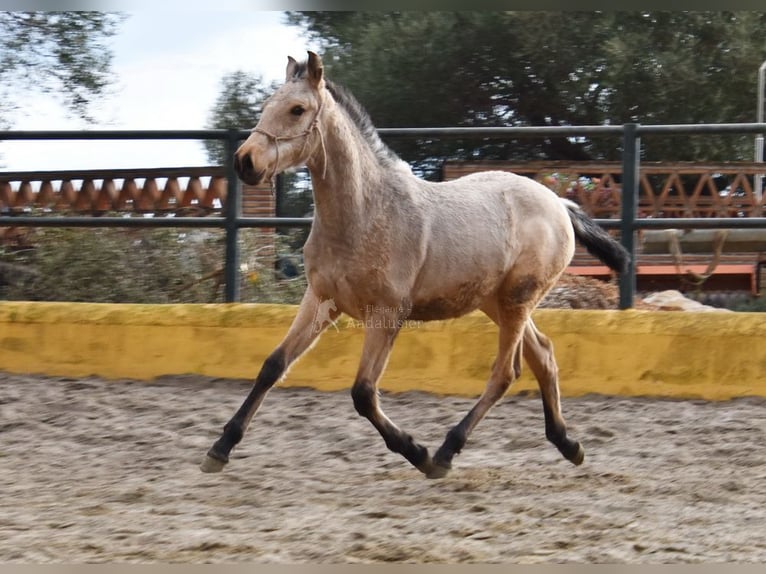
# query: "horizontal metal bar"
464,131
111,221
87,221
545,131
502,132
120,173
492,132
275,221
118,135
701,223
689,223
669,129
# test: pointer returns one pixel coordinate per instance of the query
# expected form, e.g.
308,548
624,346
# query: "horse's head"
287,133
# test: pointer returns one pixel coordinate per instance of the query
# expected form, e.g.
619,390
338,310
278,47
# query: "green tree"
63,53
236,107
547,68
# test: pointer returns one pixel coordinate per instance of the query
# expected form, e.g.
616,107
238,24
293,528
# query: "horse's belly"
438,309
451,303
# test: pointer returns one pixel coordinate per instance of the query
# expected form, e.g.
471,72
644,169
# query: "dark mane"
358,115
362,120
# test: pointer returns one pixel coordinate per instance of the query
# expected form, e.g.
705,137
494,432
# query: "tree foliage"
431,69
65,53
236,107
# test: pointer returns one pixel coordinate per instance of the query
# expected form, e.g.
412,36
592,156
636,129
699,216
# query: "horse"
387,246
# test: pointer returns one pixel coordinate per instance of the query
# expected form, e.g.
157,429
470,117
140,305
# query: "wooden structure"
160,191
666,190
183,191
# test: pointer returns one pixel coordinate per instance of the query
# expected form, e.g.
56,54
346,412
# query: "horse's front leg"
303,332
378,340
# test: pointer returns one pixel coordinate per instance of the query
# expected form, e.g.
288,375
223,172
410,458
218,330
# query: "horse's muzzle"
246,170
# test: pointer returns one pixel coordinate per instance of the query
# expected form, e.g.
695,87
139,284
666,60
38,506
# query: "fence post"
631,148
233,211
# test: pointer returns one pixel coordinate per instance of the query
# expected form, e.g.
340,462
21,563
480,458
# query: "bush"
143,266
754,305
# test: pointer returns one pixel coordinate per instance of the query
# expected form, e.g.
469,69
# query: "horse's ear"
292,64
315,69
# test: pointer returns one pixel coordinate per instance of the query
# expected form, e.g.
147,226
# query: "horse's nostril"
246,165
243,164
245,168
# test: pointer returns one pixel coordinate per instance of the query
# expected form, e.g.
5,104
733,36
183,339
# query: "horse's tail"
597,241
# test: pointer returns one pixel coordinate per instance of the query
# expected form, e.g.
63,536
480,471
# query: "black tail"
597,241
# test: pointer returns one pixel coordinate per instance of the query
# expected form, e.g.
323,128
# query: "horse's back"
505,182
498,198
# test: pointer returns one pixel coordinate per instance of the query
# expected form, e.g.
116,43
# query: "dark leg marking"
452,445
556,433
364,395
458,435
272,369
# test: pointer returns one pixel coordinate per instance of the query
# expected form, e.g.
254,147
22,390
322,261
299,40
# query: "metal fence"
232,220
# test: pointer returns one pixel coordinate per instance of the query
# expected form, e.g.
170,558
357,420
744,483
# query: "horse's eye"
297,111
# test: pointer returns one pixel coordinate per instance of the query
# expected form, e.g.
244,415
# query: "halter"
304,134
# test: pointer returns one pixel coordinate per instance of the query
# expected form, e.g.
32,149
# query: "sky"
168,66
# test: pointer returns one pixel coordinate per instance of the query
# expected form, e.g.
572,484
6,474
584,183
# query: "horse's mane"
363,122
358,115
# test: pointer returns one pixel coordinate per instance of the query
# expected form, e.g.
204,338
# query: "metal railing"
232,220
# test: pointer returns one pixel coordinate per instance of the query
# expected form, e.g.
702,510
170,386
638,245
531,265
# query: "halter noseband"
304,134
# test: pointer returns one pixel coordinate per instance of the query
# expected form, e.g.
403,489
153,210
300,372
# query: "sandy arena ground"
96,471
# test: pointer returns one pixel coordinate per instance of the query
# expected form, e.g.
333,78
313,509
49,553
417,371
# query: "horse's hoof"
578,456
434,470
211,464
437,471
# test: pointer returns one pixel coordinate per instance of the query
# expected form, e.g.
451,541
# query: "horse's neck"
348,187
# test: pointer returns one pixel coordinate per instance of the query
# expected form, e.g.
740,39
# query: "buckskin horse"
386,246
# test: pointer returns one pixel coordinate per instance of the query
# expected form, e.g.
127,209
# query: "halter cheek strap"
304,134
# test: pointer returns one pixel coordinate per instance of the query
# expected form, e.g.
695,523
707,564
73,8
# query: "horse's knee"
363,394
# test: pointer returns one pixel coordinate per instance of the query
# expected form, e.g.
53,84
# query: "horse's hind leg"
302,334
504,371
378,341
538,353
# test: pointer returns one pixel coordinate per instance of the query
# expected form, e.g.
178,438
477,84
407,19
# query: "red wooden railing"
667,189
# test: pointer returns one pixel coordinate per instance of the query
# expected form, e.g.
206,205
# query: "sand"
105,471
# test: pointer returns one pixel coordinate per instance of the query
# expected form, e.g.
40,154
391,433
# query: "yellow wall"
673,354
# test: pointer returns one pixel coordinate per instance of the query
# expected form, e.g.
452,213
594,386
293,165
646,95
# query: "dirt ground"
96,471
